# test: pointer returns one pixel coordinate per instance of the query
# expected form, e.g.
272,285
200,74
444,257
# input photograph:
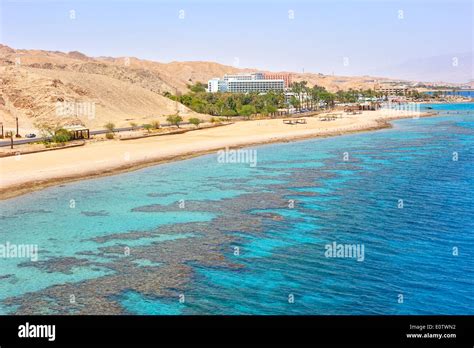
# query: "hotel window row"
244,83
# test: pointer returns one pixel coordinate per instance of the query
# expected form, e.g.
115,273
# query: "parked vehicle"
31,135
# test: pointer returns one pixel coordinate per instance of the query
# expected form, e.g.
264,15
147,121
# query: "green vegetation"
195,121
45,130
310,97
109,127
147,127
61,136
216,120
174,119
247,110
417,95
268,104
53,133
198,87
229,104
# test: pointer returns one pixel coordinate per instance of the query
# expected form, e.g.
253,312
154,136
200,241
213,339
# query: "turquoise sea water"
463,93
202,237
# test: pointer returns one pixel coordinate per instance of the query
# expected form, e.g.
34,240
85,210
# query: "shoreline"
15,190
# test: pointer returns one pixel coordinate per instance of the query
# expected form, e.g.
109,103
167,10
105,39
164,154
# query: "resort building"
259,86
217,85
275,76
391,90
246,83
245,77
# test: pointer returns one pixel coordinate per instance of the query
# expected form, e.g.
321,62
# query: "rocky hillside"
69,88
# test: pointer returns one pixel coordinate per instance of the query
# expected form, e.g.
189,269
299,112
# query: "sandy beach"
22,174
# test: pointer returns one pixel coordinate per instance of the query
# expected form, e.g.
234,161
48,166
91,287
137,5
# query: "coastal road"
102,131
125,129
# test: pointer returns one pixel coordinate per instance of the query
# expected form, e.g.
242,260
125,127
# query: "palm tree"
315,96
309,99
296,88
299,88
295,102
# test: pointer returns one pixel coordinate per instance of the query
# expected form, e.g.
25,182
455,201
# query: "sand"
22,174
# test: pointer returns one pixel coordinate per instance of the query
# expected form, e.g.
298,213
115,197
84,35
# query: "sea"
374,223
462,93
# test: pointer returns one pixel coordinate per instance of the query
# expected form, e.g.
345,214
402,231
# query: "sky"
342,37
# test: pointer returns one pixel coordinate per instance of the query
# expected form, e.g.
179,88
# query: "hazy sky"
262,34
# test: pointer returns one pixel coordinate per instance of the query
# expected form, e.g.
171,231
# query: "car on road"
30,135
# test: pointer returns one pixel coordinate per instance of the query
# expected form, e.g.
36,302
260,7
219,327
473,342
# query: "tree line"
229,104
245,104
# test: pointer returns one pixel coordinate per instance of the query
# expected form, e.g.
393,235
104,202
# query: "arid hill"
69,88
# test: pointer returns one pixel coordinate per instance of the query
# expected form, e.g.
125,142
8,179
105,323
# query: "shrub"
147,127
109,135
110,127
61,136
195,121
174,120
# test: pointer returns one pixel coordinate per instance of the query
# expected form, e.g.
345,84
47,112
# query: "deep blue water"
463,93
408,251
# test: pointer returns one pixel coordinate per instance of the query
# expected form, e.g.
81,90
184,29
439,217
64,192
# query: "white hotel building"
245,83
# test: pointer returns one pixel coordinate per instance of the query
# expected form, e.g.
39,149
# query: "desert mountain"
94,91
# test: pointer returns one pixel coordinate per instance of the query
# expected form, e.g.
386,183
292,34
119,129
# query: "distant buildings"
248,83
216,85
392,89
